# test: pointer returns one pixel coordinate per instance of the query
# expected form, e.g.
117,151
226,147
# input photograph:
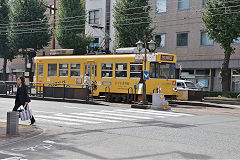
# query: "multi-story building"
179,29
100,23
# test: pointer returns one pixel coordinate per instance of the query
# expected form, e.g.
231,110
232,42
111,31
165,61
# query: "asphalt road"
115,131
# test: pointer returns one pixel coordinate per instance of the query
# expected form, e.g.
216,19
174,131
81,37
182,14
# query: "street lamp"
151,46
139,45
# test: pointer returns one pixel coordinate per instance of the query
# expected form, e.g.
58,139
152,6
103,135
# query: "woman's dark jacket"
22,95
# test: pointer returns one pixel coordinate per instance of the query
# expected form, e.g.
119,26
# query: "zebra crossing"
105,116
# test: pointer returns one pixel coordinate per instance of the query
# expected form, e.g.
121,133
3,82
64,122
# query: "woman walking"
22,97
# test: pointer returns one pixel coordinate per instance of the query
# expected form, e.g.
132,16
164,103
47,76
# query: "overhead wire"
121,24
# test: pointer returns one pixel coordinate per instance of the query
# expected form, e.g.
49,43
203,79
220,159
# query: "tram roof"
94,56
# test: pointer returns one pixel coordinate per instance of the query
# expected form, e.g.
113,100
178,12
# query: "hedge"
216,94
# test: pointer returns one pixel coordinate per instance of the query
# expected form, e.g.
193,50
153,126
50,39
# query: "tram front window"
162,70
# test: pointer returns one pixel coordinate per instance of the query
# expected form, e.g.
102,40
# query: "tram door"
91,70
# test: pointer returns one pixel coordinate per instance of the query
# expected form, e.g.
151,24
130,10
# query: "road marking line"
12,154
160,115
90,118
81,108
130,116
103,116
44,112
164,112
59,122
119,115
66,119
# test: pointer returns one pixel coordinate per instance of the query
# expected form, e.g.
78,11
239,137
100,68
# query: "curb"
204,104
140,106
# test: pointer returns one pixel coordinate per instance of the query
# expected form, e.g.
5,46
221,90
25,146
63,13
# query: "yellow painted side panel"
117,85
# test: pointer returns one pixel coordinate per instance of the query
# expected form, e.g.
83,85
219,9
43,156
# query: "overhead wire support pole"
54,25
54,8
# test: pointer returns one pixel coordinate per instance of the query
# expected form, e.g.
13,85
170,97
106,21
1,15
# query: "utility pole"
107,25
54,8
54,24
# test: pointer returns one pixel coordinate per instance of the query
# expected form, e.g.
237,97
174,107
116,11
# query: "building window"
135,70
40,70
63,70
160,40
203,3
75,70
121,70
183,4
161,6
107,70
52,70
236,41
205,72
182,39
94,45
94,17
205,41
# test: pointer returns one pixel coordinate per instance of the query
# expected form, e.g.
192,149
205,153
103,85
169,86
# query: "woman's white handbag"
25,114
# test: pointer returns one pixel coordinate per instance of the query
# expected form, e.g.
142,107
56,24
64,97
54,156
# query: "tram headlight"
174,89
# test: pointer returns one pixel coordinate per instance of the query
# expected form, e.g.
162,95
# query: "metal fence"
49,90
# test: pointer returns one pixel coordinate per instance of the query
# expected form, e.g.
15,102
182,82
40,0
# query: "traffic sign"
146,75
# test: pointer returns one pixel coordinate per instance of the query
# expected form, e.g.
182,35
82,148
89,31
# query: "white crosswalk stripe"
107,116
157,113
67,119
58,122
120,115
103,116
90,118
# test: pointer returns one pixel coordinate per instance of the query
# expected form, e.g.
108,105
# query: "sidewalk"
223,103
25,131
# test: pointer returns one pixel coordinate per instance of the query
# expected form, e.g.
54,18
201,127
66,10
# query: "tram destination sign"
166,58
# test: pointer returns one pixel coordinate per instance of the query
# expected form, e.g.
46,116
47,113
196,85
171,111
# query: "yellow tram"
110,73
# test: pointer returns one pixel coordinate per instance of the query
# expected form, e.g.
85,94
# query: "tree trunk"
226,75
4,69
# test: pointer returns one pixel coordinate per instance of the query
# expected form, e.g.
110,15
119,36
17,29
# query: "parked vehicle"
186,85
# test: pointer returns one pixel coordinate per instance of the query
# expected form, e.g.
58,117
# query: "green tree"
131,22
29,28
5,51
70,32
222,21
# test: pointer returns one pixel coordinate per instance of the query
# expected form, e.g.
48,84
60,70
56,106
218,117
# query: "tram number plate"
105,83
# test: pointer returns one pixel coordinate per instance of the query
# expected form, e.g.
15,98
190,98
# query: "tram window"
52,70
75,70
135,70
107,70
87,69
63,70
40,70
95,70
121,70
162,70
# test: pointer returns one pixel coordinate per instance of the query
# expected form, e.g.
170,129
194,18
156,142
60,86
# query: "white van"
186,85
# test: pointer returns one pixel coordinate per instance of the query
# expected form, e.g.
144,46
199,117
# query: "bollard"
159,102
12,122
